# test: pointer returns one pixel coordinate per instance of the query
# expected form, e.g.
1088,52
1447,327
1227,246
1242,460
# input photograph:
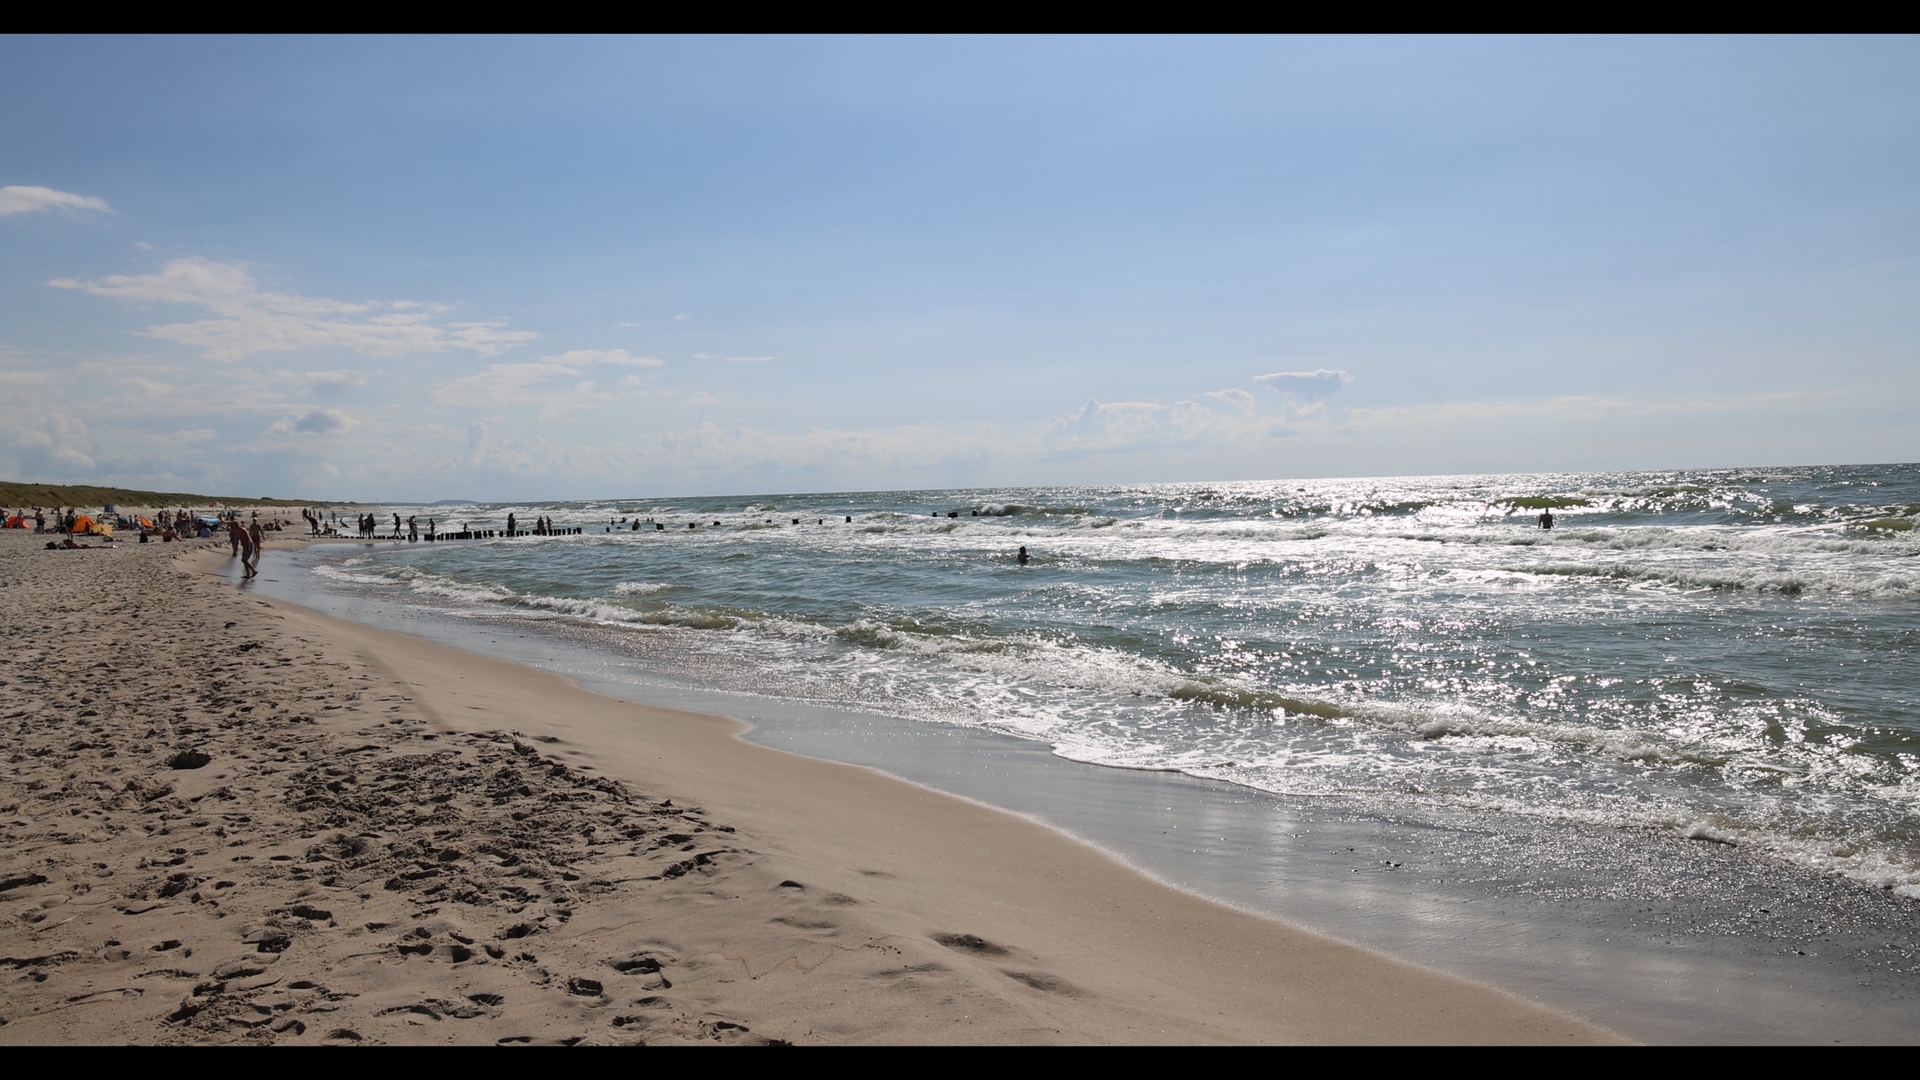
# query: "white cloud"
681,318
333,382
622,357
1122,426
543,383
20,199
488,338
501,384
1239,399
1306,385
701,398
248,320
314,422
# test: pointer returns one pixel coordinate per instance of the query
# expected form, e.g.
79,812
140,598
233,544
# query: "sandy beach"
228,819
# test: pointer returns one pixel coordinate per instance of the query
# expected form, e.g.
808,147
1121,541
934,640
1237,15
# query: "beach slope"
227,819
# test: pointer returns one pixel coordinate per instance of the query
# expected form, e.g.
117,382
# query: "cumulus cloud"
701,398
22,199
314,422
1306,385
247,320
1239,399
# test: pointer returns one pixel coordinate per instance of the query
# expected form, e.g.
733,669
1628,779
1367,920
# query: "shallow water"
1723,654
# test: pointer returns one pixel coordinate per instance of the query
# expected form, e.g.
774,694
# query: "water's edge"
1660,938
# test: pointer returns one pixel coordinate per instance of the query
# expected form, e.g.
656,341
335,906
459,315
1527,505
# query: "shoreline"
893,908
1660,937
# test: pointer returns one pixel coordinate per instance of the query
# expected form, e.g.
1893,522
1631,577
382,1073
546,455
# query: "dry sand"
228,820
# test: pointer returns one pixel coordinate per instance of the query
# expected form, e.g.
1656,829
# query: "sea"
1720,657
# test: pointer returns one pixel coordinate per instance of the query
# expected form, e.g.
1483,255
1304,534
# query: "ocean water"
1726,654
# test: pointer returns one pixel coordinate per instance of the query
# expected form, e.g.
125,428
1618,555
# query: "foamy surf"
1715,655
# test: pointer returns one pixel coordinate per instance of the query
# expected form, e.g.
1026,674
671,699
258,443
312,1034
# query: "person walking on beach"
236,538
258,544
245,543
413,530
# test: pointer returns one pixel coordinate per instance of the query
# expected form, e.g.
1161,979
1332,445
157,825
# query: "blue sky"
500,268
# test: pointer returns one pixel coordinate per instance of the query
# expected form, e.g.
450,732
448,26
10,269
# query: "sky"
500,268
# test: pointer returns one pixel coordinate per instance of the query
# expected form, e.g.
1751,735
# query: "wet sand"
1654,934
234,819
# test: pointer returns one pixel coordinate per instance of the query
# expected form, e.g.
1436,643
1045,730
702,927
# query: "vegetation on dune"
14,495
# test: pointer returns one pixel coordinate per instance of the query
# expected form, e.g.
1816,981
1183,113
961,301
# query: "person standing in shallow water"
1546,519
509,524
1022,558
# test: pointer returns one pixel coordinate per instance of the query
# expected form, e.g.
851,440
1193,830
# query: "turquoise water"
1729,654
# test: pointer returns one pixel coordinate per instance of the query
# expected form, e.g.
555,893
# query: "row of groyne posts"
640,525
431,535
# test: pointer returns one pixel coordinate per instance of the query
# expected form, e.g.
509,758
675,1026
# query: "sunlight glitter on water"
1721,650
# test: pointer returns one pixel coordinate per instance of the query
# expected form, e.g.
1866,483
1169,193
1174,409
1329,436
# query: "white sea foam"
1672,657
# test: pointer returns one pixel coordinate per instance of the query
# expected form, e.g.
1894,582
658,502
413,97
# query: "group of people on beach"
73,524
247,540
18,519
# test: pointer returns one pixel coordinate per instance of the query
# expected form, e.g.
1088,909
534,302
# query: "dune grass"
15,494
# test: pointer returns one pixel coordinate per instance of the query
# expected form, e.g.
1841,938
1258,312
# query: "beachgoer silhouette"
1546,519
396,526
257,542
509,524
1023,558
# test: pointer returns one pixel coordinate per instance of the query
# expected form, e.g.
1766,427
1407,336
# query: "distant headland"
14,493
